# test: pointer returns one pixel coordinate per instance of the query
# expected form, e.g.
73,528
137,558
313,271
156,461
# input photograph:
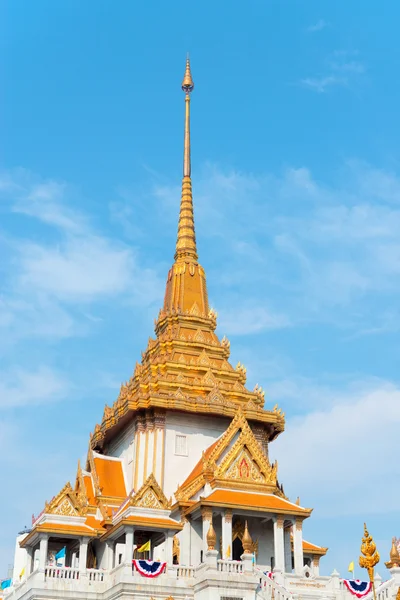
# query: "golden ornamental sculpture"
211,537
247,542
394,556
370,556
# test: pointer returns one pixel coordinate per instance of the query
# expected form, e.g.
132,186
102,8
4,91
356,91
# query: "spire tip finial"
187,83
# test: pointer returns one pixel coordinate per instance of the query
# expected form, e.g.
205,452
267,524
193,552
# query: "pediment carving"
204,359
66,503
150,495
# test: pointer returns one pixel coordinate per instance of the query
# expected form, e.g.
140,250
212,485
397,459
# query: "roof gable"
66,503
150,495
236,459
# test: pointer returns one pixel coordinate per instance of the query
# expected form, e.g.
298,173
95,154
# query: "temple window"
181,445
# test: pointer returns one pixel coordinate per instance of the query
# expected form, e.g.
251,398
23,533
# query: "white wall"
201,432
20,557
123,447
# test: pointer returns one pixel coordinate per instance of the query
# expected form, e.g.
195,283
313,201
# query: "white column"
279,552
206,514
129,533
110,554
29,560
83,548
184,542
315,565
44,543
288,550
227,534
298,546
169,547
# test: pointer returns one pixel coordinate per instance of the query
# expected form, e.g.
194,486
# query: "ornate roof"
235,460
186,366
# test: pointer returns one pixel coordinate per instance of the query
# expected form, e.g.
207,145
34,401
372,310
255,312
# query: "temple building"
178,478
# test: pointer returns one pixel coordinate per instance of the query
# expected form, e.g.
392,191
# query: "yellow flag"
351,567
22,572
145,548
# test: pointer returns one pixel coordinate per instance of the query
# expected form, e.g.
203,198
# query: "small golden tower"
247,542
211,537
394,557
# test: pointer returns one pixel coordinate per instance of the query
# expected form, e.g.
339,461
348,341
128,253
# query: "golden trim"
146,454
138,433
155,435
139,523
204,502
162,457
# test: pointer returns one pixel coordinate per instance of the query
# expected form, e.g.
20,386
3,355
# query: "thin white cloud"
342,68
318,26
321,84
21,387
44,279
247,320
344,448
78,269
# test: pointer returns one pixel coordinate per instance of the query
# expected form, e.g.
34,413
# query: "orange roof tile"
199,466
145,522
93,522
87,530
111,476
59,529
313,548
149,521
89,489
257,501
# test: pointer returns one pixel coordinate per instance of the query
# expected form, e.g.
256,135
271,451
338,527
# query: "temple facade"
178,498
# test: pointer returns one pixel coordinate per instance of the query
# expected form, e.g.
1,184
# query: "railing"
74,574
61,573
180,571
269,590
382,591
96,574
229,566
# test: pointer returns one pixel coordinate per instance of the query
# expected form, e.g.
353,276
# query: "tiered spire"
186,291
186,241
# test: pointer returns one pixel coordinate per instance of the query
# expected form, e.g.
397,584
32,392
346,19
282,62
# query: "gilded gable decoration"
65,503
150,495
199,336
80,488
195,311
204,359
244,463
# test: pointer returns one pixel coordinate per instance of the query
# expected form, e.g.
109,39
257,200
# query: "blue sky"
296,180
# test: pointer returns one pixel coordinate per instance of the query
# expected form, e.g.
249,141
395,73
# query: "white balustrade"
269,590
96,574
61,573
180,571
229,566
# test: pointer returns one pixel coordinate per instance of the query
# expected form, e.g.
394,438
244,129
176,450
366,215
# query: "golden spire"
186,241
186,289
211,537
247,542
394,557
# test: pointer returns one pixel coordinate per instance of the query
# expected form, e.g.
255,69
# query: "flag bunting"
358,588
149,568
